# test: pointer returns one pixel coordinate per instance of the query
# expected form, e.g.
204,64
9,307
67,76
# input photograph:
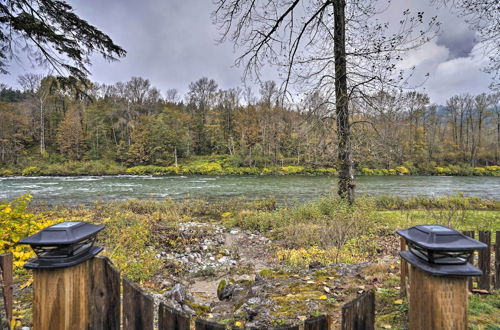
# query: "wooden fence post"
316,323
207,325
484,260
6,281
403,284
471,234
138,308
359,314
61,297
104,295
437,302
497,260
170,319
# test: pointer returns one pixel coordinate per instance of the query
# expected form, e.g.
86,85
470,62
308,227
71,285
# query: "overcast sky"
173,42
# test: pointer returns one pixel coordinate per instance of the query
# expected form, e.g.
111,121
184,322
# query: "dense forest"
131,123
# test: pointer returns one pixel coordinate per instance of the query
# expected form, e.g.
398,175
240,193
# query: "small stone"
188,310
254,300
234,231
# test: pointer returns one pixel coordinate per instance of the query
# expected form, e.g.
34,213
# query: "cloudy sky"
173,42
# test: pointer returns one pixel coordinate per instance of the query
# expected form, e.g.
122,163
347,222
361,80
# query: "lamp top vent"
437,237
63,233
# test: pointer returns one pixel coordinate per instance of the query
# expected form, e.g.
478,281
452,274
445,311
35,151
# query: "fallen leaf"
310,282
323,297
327,289
307,278
302,317
386,326
398,301
27,284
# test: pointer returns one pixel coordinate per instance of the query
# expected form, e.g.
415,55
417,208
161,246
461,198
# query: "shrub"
31,171
6,172
292,169
17,223
402,170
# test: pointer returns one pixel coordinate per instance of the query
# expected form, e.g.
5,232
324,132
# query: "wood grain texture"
497,260
138,308
404,271
207,325
484,260
471,234
6,281
437,303
61,298
316,323
359,314
104,295
170,319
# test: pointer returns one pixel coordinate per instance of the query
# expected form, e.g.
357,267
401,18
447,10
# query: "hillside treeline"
133,123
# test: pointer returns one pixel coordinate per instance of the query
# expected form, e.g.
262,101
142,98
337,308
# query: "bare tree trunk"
42,129
346,177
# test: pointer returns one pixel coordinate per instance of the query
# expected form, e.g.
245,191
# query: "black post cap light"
440,250
63,245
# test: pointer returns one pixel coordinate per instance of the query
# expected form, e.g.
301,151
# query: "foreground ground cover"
284,264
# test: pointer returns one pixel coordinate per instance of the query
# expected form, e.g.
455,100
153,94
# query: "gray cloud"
173,42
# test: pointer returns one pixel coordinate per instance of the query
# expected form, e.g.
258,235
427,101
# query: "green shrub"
6,172
31,171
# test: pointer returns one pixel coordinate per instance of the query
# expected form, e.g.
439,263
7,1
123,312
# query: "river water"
86,190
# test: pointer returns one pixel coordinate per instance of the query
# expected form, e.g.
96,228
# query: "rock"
188,310
254,300
178,294
258,278
225,290
166,283
255,290
315,264
234,231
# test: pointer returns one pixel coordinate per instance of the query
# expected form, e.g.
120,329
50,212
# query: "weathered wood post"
63,277
6,285
438,276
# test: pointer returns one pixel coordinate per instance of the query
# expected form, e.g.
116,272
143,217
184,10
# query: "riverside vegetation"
313,256
228,165
129,127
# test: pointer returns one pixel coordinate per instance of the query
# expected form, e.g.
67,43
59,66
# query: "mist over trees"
134,124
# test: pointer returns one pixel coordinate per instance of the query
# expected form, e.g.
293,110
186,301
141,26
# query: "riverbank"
219,165
286,263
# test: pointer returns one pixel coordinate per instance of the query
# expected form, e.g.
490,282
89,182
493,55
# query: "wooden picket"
489,278
6,282
484,261
170,319
138,308
104,295
359,314
497,260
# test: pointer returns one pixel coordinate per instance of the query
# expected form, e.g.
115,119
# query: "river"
86,190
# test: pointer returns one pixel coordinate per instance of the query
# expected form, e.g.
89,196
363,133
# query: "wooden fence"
6,289
115,303
481,259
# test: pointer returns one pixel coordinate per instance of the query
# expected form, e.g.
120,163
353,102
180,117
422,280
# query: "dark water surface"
86,190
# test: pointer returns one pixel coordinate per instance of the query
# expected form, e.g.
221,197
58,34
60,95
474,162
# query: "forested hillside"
131,123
